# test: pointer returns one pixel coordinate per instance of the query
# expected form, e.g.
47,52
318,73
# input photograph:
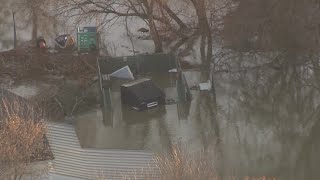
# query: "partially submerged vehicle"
65,41
142,94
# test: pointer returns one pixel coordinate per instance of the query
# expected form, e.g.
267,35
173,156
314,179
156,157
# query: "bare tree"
6,24
112,10
34,14
176,25
204,28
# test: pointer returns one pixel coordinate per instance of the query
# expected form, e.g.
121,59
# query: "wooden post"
107,110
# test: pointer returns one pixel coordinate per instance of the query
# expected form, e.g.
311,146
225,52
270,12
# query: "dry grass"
22,137
182,165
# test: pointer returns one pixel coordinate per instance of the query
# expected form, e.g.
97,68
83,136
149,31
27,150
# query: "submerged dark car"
142,94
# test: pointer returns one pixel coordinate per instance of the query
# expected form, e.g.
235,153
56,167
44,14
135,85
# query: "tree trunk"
203,46
155,36
204,29
14,31
209,46
173,15
34,26
55,28
153,29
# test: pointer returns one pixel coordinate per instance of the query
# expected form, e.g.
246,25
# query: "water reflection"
261,122
269,112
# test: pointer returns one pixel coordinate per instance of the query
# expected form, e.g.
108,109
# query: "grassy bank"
182,165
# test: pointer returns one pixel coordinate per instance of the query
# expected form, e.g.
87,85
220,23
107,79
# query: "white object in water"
173,70
205,86
123,73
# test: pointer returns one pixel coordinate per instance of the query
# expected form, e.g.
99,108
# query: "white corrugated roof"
74,161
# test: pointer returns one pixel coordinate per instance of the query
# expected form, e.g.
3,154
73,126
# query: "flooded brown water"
264,123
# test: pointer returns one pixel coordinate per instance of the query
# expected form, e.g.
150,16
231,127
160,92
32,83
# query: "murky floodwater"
264,123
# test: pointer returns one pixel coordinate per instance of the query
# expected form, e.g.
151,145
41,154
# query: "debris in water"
205,86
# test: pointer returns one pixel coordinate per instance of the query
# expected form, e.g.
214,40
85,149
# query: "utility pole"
14,31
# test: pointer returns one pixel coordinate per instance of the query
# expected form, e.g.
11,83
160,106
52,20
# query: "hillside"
55,80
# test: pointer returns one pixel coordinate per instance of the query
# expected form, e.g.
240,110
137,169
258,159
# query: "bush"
22,137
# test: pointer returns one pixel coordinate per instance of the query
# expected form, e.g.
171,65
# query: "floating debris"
205,86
